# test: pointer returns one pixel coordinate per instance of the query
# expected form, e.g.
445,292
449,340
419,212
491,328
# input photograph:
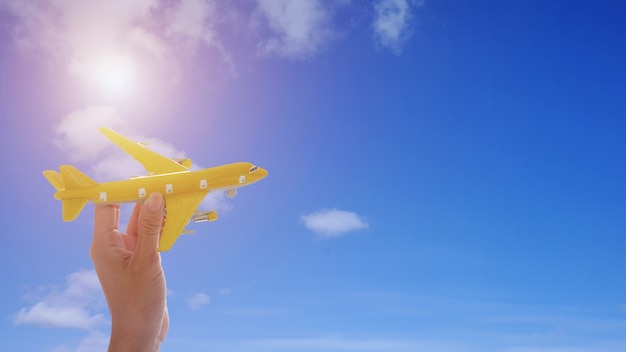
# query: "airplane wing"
178,210
153,162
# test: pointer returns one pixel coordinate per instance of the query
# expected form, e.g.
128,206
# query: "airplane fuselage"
227,177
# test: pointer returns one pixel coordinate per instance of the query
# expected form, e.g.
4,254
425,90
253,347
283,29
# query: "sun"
108,75
114,75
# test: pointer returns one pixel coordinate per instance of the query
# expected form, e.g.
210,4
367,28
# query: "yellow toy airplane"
183,189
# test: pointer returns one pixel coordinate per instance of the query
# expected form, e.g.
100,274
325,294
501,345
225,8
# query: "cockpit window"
253,169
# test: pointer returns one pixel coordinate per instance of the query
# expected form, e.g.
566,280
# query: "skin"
130,272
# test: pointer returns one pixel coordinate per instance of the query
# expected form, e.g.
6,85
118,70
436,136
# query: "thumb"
150,222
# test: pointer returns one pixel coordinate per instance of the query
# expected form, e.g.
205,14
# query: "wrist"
140,340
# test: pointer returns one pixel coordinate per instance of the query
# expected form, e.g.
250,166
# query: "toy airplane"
182,189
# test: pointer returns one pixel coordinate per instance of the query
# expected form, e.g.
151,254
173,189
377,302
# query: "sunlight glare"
114,76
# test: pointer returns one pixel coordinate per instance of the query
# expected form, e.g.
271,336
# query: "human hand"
130,272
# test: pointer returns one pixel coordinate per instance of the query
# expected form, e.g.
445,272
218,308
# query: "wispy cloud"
393,22
328,223
484,325
331,343
226,291
608,347
95,341
78,136
76,27
76,305
103,42
194,22
347,344
232,290
300,28
198,301
82,36
192,19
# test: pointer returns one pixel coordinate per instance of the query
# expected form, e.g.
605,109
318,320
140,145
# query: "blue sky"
443,176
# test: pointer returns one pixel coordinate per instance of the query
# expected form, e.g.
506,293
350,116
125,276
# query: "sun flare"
114,75
110,75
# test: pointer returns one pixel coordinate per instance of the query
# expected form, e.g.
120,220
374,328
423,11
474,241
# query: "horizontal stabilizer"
54,178
74,179
72,208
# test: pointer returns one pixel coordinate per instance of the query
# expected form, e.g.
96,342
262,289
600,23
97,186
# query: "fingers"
105,221
132,228
149,225
106,216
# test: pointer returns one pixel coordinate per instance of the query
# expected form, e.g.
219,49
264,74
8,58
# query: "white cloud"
231,290
332,343
74,306
42,314
198,301
149,42
226,291
78,134
328,223
95,341
392,22
192,19
116,166
101,43
301,28
216,201
76,31
142,44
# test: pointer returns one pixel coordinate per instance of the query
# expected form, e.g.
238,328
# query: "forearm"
122,341
136,329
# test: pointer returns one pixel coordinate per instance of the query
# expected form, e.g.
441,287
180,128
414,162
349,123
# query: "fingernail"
154,201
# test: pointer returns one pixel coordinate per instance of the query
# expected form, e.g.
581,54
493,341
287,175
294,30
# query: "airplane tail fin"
74,179
55,179
70,178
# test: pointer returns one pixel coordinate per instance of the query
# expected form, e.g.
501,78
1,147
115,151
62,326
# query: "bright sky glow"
443,176
112,75
115,76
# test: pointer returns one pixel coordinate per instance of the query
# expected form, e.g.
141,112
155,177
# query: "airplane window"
253,169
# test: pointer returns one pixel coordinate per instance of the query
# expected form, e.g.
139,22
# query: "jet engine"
204,216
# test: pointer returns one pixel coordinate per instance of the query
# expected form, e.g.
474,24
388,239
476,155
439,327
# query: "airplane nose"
262,173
